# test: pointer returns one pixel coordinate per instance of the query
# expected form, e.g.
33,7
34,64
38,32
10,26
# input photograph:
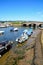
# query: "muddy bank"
38,56
42,38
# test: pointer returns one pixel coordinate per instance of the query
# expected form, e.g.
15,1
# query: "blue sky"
30,10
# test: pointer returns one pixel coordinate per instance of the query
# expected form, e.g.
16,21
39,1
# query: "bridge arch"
30,25
40,25
25,25
34,25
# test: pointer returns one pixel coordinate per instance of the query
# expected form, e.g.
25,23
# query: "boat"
14,29
2,26
25,31
22,38
4,46
1,32
11,29
29,33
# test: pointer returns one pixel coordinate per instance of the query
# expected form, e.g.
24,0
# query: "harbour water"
11,36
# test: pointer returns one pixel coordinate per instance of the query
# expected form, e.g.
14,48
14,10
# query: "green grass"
16,22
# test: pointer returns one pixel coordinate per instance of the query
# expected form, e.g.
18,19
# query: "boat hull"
4,47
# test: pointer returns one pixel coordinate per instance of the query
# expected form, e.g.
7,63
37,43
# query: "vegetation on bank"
13,22
16,22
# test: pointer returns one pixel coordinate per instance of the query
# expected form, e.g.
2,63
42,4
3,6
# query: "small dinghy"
22,38
29,32
1,32
2,26
14,29
25,31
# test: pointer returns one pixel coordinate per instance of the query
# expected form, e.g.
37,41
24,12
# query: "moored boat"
4,46
2,26
1,32
29,32
25,31
14,29
22,38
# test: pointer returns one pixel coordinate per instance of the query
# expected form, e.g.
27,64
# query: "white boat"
2,26
1,32
29,32
15,29
25,31
22,38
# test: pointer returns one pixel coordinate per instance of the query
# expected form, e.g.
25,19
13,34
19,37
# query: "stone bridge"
33,24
